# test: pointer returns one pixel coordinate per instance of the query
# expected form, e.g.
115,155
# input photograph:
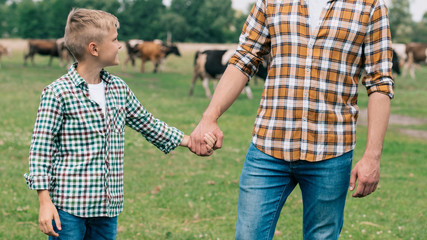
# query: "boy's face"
109,49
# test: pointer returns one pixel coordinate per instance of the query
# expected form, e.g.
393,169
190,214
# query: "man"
304,132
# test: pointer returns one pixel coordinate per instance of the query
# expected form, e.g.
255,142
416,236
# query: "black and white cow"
211,64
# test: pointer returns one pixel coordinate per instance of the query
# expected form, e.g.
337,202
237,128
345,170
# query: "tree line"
212,21
186,20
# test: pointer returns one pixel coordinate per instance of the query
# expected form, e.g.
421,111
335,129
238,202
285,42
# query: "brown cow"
4,51
42,47
151,51
132,52
416,54
155,51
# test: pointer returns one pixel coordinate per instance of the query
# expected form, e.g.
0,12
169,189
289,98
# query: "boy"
76,154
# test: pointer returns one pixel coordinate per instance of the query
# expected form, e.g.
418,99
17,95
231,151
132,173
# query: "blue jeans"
78,228
266,182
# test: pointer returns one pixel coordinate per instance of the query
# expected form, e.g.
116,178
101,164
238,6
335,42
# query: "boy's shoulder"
61,84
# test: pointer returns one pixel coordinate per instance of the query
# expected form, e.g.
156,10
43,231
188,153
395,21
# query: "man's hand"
48,213
198,144
367,172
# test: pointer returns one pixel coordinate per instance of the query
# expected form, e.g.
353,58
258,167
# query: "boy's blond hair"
85,26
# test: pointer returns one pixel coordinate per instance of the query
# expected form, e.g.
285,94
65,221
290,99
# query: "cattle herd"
209,64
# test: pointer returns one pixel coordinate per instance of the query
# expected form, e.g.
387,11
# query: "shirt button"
307,69
305,94
304,119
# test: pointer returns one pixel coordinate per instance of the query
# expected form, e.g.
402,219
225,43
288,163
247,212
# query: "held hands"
209,140
198,141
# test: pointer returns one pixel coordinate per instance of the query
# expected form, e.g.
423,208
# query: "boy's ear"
93,49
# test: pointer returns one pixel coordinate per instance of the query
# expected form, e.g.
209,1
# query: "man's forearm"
229,88
378,117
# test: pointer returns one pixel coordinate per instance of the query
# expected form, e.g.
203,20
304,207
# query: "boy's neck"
89,72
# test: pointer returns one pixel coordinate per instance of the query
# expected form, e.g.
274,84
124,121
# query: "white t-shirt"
315,8
97,94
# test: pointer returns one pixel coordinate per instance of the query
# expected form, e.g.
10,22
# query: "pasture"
182,196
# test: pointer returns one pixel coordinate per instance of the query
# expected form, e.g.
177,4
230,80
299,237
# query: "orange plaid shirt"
308,109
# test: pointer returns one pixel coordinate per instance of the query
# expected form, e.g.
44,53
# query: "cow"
416,54
49,47
155,51
211,64
65,57
4,51
132,52
42,47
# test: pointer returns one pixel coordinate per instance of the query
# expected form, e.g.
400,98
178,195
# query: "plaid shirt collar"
77,80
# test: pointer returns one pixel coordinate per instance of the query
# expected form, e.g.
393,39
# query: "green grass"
182,196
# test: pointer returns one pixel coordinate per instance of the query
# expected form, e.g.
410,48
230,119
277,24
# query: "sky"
417,7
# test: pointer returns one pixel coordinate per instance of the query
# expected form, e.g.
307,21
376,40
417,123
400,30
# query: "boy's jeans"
77,228
266,182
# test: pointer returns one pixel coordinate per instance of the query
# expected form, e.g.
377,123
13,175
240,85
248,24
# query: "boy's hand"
185,141
48,213
210,141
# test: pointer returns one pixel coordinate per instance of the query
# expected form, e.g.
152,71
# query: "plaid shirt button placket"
78,155
308,108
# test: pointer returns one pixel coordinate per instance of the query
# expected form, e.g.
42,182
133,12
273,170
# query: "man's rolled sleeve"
378,53
254,41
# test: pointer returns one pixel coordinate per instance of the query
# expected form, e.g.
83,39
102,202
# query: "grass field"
182,196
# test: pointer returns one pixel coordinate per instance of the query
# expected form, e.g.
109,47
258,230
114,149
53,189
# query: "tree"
421,30
141,19
401,24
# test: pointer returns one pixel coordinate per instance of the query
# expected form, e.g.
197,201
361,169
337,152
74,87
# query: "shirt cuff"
386,88
40,182
174,141
245,63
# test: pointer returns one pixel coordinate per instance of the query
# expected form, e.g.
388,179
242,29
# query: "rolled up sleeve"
378,53
254,41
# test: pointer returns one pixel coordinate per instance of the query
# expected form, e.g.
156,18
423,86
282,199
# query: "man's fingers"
359,190
219,138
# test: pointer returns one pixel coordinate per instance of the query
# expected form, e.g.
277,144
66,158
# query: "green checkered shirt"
77,152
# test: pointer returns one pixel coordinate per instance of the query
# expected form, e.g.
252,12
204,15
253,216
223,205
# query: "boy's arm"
155,131
43,145
47,213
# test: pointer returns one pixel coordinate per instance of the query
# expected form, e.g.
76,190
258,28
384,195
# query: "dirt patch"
14,44
399,120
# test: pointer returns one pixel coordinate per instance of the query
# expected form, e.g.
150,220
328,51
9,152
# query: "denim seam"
275,214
